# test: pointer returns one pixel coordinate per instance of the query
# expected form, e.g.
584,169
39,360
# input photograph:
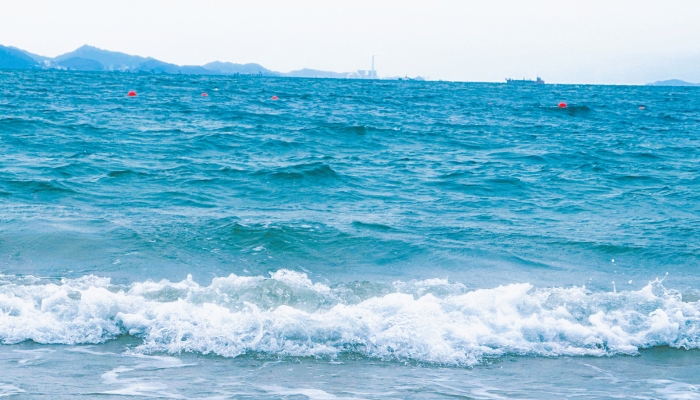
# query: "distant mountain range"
89,58
673,82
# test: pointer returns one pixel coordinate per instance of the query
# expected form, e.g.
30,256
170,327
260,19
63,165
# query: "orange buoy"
131,93
562,105
205,95
275,98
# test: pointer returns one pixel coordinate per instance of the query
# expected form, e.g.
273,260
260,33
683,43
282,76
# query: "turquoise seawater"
352,239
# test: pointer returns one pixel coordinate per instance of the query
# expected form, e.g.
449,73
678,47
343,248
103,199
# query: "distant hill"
90,58
80,64
673,82
110,60
13,58
227,68
35,57
160,67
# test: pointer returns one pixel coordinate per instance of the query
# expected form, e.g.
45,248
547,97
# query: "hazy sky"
591,41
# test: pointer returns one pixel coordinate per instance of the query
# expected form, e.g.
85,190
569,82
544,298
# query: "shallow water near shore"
353,239
112,371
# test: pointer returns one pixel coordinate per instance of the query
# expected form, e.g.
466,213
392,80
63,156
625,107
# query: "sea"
349,239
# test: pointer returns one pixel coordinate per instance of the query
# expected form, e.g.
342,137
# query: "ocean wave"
37,186
287,314
315,171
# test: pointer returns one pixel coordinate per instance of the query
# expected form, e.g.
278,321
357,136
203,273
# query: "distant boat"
539,81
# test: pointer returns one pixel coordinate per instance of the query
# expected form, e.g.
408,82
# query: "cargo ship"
538,81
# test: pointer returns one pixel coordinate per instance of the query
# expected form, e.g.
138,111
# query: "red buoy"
275,98
132,93
205,95
562,105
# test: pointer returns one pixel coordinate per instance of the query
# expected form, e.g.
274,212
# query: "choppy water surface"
440,238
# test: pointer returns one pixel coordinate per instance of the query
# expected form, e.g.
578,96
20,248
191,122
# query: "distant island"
89,58
673,82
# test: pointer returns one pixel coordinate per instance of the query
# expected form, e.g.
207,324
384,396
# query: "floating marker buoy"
562,105
275,98
205,95
131,93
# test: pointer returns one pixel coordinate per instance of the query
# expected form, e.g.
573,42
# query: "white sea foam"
287,314
7,390
139,386
309,393
675,390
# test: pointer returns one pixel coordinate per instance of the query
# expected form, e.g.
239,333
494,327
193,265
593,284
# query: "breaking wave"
286,314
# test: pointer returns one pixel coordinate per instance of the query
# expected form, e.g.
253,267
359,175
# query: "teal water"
389,231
